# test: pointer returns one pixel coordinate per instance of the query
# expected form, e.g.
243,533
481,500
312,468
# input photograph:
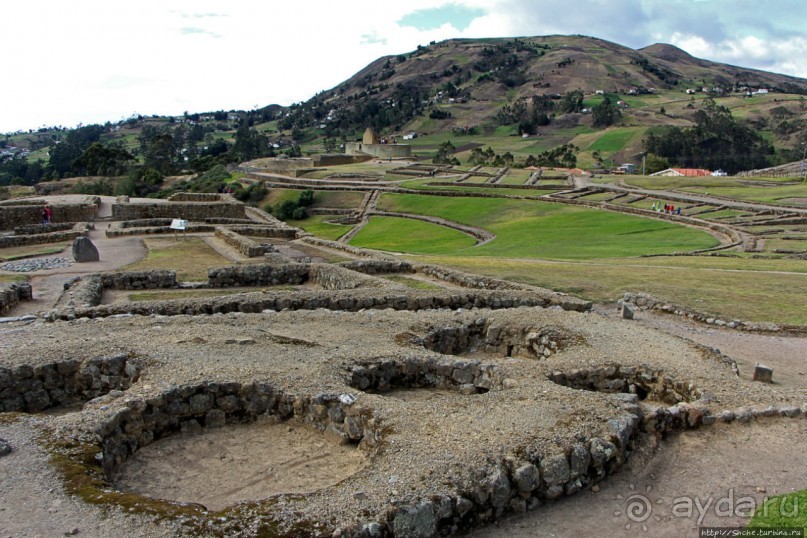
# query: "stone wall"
257,275
382,151
139,280
136,422
35,388
339,159
346,300
12,294
190,228
34,229
246,246
11,241
333,277
377,267
198,197
645,301
279,232
23,214
198,211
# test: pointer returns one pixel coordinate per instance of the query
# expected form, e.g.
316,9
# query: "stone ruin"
470,402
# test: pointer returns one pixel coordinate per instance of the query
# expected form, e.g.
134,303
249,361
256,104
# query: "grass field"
732,288
408,235
531,229
316,225
17,253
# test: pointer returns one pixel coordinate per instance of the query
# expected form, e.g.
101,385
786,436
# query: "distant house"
627,168
683,172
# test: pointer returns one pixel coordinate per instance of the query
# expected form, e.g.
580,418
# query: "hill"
499,70
522,96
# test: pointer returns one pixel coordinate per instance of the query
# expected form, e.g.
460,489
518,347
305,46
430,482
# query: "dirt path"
725,471
48,285
787,355
736,462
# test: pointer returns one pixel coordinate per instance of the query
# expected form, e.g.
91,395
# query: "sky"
70,62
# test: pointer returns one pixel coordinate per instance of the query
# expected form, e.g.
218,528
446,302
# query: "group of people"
46,214
668,208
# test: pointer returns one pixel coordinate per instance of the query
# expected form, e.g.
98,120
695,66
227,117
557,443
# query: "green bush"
306,198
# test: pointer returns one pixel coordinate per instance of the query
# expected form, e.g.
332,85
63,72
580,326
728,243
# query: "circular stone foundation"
244,462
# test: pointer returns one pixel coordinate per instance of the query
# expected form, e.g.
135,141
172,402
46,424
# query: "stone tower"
369,137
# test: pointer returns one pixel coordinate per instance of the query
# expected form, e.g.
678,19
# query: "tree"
445,154
571,102
654,163
102,160
717,141
605,114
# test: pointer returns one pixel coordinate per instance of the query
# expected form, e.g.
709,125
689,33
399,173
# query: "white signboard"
178,224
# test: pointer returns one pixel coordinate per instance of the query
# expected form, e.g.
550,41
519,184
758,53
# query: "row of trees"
717,141
563,156
162,150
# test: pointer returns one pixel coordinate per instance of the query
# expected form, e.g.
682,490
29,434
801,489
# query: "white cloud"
96,60
784,56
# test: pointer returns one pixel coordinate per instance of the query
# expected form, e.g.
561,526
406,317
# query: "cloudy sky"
87,61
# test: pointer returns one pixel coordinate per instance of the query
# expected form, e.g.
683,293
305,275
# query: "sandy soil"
221,467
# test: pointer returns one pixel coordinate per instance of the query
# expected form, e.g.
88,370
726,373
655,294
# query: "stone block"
763,374
84,250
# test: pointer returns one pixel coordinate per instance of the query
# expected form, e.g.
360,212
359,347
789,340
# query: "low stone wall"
364,253
134,423
34,229
339,159
190,228
644,301
145,223
526,187
35,388
467,377
139,280
84,292
279,232
198,197
507,341
12,294
346,300
257,275
333,277
12,241
220,220
246,246
377,267
178,210
468,280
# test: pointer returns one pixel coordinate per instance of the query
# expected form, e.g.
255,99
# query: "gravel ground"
432,445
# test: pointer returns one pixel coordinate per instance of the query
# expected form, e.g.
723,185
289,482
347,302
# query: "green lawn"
532,229
737,189
784,511
316,225
408,235
615,140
